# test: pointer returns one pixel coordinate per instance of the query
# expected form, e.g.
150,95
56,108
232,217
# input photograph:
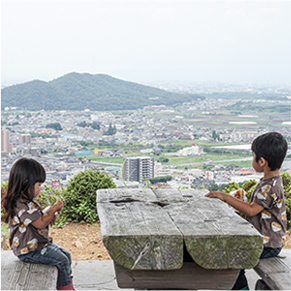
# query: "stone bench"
17,275
275,272
175,239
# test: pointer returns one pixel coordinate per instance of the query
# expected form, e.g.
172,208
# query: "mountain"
99,92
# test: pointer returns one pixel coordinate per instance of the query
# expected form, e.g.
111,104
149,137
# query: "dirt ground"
83,241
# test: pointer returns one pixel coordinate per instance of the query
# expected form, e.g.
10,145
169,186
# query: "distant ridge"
99,92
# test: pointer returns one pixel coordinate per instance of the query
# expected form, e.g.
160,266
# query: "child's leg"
69,258
52,255
241,282
267,253
270,252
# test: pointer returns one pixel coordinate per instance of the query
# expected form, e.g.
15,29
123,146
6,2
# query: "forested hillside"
76,91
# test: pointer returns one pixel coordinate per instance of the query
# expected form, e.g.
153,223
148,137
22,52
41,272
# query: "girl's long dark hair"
23,176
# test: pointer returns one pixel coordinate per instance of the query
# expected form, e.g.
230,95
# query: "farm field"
189,161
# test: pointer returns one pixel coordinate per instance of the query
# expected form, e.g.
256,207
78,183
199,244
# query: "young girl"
28,225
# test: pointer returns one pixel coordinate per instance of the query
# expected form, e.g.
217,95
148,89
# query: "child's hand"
216,194
58,205
49,215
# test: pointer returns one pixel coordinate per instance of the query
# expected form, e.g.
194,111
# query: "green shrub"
249,187
4,229
163,179
232,186
3,188
287,190
80,196
3,191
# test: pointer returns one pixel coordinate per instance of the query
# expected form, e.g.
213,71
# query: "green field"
189,161
203,158
187,143
103,159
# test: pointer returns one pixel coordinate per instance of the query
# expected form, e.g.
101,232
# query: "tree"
80,195
84,143
215,135
111,130
163,179
55,126
82,124
163,160
95,125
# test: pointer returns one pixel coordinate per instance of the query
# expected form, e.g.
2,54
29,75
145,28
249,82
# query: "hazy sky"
235,41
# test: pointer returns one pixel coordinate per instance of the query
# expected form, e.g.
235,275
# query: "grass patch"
240,164
103,159
187,143
204,158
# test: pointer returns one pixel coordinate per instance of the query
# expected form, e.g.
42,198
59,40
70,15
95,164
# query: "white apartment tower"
138,169
6,146
24,139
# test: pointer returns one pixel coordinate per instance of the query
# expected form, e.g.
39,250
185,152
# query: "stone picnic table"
175,239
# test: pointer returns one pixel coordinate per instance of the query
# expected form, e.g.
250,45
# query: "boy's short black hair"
271,146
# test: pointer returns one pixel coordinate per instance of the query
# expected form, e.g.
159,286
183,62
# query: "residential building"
138,169
6,146
24,139
191,151
243,135
161,171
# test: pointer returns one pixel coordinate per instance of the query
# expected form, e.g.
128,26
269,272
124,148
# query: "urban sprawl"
77,146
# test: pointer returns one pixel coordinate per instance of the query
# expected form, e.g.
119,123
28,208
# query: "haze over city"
147,41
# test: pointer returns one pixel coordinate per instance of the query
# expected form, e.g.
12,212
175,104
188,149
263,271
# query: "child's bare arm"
243,207
45,220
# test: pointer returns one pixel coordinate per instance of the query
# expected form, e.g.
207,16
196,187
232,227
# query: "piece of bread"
239,194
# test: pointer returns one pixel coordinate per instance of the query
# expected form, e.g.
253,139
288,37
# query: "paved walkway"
94,275
100,275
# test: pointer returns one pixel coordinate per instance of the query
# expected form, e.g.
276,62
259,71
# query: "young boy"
266,210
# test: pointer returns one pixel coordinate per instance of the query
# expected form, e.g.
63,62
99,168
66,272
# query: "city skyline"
147,41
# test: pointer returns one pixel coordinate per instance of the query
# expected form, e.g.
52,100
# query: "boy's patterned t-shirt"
271,222
23,236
